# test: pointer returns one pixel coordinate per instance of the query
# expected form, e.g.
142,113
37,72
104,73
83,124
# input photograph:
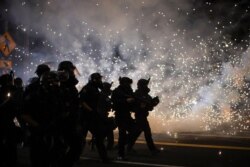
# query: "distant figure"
89,96
144,104
123,103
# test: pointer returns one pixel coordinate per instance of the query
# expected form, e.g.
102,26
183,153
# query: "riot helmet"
66,66
125,81
42,68
95,76
143,82
96,79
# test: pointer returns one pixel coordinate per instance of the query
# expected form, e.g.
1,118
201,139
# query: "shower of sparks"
199,76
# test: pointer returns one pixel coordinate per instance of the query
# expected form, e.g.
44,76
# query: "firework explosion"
195,52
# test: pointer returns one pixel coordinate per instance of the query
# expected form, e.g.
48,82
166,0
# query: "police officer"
144,104
43,112
8,111
123,102
104,107
19,91
71,127
89,96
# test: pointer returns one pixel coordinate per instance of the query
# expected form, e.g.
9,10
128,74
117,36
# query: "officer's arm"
86,107
28,119
130,100
28,106
156,101
83,96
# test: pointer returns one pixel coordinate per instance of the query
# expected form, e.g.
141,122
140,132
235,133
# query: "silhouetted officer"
144,104
8,130
71,127
19,93
123,102
43,111
89,96
19,89
103,108
32,87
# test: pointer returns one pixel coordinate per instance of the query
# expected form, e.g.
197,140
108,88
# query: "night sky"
195,51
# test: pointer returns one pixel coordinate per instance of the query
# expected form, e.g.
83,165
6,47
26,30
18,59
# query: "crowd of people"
53,118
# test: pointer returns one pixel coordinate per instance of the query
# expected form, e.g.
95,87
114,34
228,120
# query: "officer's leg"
1,151
110,138
96,130
11,152
135,132
121,140
38,152
75,141
148,136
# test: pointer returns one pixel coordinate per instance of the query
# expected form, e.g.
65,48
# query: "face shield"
50,79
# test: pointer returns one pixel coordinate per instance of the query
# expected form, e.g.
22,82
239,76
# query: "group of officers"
57,117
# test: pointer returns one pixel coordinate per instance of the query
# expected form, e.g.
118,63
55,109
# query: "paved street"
190,149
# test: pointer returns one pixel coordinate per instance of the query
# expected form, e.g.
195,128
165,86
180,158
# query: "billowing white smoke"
147,38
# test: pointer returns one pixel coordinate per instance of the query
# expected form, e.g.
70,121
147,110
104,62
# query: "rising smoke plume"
196,52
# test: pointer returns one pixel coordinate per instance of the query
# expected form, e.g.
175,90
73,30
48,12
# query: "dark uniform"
44,112
19,94
8,130
89,96
144,104
123,102
31,88
71,125
104,106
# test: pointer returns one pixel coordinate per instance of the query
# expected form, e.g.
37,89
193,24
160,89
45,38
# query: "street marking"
132,163
198,145
194,145
144,164
215,135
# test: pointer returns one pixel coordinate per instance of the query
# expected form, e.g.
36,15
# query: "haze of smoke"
156,39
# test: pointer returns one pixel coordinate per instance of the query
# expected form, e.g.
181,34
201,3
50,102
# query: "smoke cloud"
197,59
